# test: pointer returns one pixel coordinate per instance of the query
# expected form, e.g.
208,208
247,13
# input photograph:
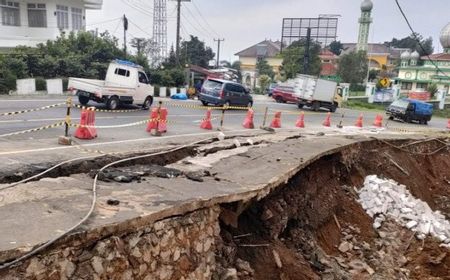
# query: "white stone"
411,224
97,265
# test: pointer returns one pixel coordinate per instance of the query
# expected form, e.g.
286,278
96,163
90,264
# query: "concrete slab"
33,213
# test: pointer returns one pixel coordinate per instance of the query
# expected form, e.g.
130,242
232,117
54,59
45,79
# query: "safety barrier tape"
32,110
441,133
35,129
105,111
201,107
120,125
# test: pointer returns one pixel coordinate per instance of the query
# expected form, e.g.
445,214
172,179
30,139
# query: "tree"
195,52
294,59
264,82
373,74
432,89
225,63
145,48
263,68
237,66
353,67
411,42
336,47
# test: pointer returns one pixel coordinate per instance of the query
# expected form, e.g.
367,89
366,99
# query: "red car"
283,94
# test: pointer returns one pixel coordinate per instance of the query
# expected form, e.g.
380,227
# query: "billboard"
384,95
323,30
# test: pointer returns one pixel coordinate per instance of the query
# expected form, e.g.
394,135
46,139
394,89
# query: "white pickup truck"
125,83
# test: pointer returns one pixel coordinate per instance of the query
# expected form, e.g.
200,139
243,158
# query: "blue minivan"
410,110
224,93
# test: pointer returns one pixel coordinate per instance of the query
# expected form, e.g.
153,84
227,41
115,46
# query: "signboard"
385,82
384,95
323,30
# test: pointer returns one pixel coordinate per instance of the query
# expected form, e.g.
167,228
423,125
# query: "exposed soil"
319,231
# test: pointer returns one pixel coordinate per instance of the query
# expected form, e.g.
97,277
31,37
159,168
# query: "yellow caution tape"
34,129
32,110
105,111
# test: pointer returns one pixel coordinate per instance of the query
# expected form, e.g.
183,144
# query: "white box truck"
316,93
125,83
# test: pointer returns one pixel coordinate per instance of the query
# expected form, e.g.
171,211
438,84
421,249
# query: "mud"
313,227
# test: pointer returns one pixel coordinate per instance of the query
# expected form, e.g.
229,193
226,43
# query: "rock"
230,274
277,259
244,266
97,265
176,254
345,247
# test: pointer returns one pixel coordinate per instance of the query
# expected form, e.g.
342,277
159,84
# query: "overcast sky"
243,23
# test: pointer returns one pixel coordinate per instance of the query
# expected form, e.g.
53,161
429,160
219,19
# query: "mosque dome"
415,55
405,55
445,36
366,6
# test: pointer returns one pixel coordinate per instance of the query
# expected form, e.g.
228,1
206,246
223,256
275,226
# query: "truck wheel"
204,103
391,118
300,105
147,103
315,106
279,99
113,103
333,108
83,100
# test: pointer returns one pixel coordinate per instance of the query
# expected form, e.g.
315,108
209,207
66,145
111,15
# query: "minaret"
364,25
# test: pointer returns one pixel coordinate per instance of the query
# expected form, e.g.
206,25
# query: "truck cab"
410,110
125,83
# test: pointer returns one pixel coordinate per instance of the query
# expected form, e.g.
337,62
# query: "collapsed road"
270,206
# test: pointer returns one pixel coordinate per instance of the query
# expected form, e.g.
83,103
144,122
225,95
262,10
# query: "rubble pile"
382,198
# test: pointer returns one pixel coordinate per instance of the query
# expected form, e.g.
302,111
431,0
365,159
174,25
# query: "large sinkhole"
313,227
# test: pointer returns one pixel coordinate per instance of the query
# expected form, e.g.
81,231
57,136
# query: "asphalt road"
181,120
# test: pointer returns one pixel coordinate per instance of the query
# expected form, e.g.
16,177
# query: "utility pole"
218,50
125,28
306,57
177,49
138,42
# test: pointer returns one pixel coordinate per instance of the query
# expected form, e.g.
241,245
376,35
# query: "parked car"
224,93
284,94
125,83
410,110
270,89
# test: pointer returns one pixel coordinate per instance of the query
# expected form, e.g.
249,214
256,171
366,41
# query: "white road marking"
117,142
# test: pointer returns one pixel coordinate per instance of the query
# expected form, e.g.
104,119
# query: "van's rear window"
210,84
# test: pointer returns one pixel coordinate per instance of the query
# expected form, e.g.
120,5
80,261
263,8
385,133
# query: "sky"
243,23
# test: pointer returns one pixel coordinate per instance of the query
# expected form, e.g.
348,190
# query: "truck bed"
97,86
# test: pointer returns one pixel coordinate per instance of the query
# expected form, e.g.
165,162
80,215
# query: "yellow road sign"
385,82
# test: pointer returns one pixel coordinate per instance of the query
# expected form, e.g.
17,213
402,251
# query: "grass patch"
357,93
442,113
360,105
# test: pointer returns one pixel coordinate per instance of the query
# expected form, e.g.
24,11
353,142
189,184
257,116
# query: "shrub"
41,84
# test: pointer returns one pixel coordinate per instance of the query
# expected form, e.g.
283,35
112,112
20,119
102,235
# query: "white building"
29,22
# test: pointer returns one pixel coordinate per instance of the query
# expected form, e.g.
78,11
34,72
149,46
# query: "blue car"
410,110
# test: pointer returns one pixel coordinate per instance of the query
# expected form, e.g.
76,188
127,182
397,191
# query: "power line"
195,27
418,40
198,22
203,18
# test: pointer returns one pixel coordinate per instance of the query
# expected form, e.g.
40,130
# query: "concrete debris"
345,247
277,259
383,198
221,136
236,143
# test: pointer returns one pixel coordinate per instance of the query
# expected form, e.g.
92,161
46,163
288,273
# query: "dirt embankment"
313,227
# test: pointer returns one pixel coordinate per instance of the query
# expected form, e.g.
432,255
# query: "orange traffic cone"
248,122
448,124
276,122
359,121
86,128
206,122
327,121
378,121
301,120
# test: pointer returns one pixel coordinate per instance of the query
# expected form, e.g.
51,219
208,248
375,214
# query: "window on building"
422,86
37,15
406,85
62,16
77,18
10,13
